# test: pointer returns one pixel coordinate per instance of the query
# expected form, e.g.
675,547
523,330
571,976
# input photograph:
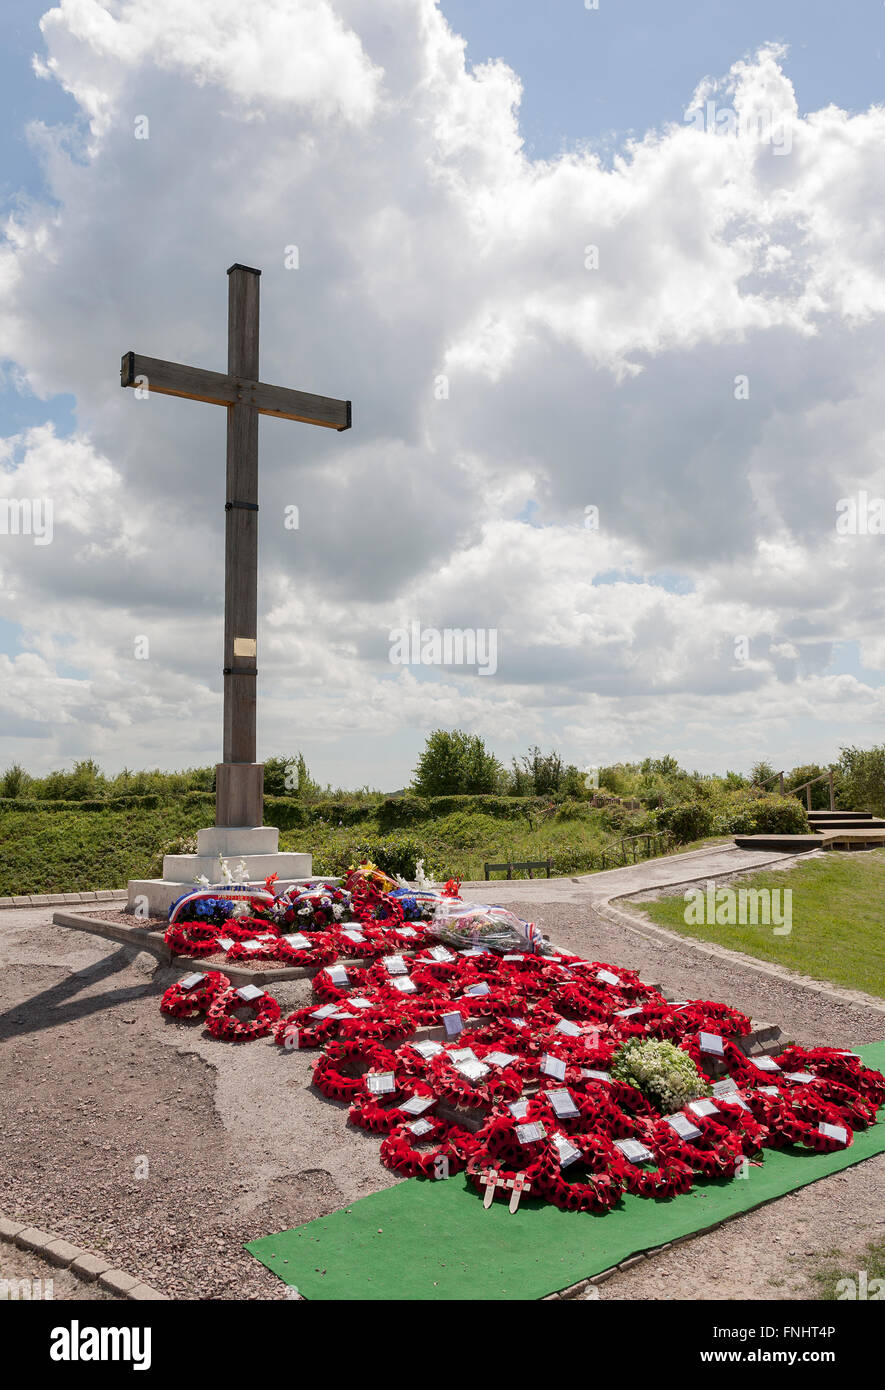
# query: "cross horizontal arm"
196,384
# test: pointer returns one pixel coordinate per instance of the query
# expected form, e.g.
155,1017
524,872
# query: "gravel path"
97,1083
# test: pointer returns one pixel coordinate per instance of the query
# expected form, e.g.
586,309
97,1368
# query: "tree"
288,777
761,772
15,780
863,778
454,763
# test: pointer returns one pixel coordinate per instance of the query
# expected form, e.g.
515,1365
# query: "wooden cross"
491,1179
239,780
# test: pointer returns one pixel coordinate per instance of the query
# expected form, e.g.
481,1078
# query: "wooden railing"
805,787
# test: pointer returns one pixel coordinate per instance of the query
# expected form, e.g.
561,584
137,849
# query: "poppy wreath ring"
368,1112
798,1124
502,1084
336,1084
309,1031
188,1003
254,950
716,1153
400,1153
221,1023
322,951
324,989
192,939
598,1192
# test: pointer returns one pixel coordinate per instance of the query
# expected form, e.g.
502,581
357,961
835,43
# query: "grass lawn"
838,1281
838,926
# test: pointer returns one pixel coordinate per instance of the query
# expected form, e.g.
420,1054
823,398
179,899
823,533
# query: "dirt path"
97,1082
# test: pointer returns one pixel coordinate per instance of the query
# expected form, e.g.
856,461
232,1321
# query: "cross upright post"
239,779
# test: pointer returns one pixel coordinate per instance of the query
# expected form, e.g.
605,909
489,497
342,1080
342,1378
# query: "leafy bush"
665,1075
690,821
396,855
779,815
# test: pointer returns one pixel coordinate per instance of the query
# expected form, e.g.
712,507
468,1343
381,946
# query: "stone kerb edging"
101,895
82,1264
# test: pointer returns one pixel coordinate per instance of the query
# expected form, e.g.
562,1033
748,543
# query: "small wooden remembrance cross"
239,781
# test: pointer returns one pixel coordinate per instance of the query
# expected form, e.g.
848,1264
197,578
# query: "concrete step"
843,815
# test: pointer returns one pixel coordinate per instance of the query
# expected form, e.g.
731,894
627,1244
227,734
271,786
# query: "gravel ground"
98,1083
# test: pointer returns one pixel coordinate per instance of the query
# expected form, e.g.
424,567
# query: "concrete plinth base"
192,866
255,845
154,896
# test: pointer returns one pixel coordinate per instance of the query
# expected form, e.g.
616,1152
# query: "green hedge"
149,801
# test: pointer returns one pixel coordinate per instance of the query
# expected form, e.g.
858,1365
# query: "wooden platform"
848,838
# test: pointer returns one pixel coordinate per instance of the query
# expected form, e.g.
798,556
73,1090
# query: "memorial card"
563,1104
249,993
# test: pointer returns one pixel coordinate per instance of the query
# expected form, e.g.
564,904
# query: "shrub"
395,855
687,822
664,1074
779,815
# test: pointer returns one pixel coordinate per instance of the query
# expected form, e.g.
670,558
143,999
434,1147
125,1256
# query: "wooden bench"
528,864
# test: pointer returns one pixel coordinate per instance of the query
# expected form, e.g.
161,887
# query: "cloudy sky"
606,288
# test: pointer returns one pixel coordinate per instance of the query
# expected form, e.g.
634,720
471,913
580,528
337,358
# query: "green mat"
422,1240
